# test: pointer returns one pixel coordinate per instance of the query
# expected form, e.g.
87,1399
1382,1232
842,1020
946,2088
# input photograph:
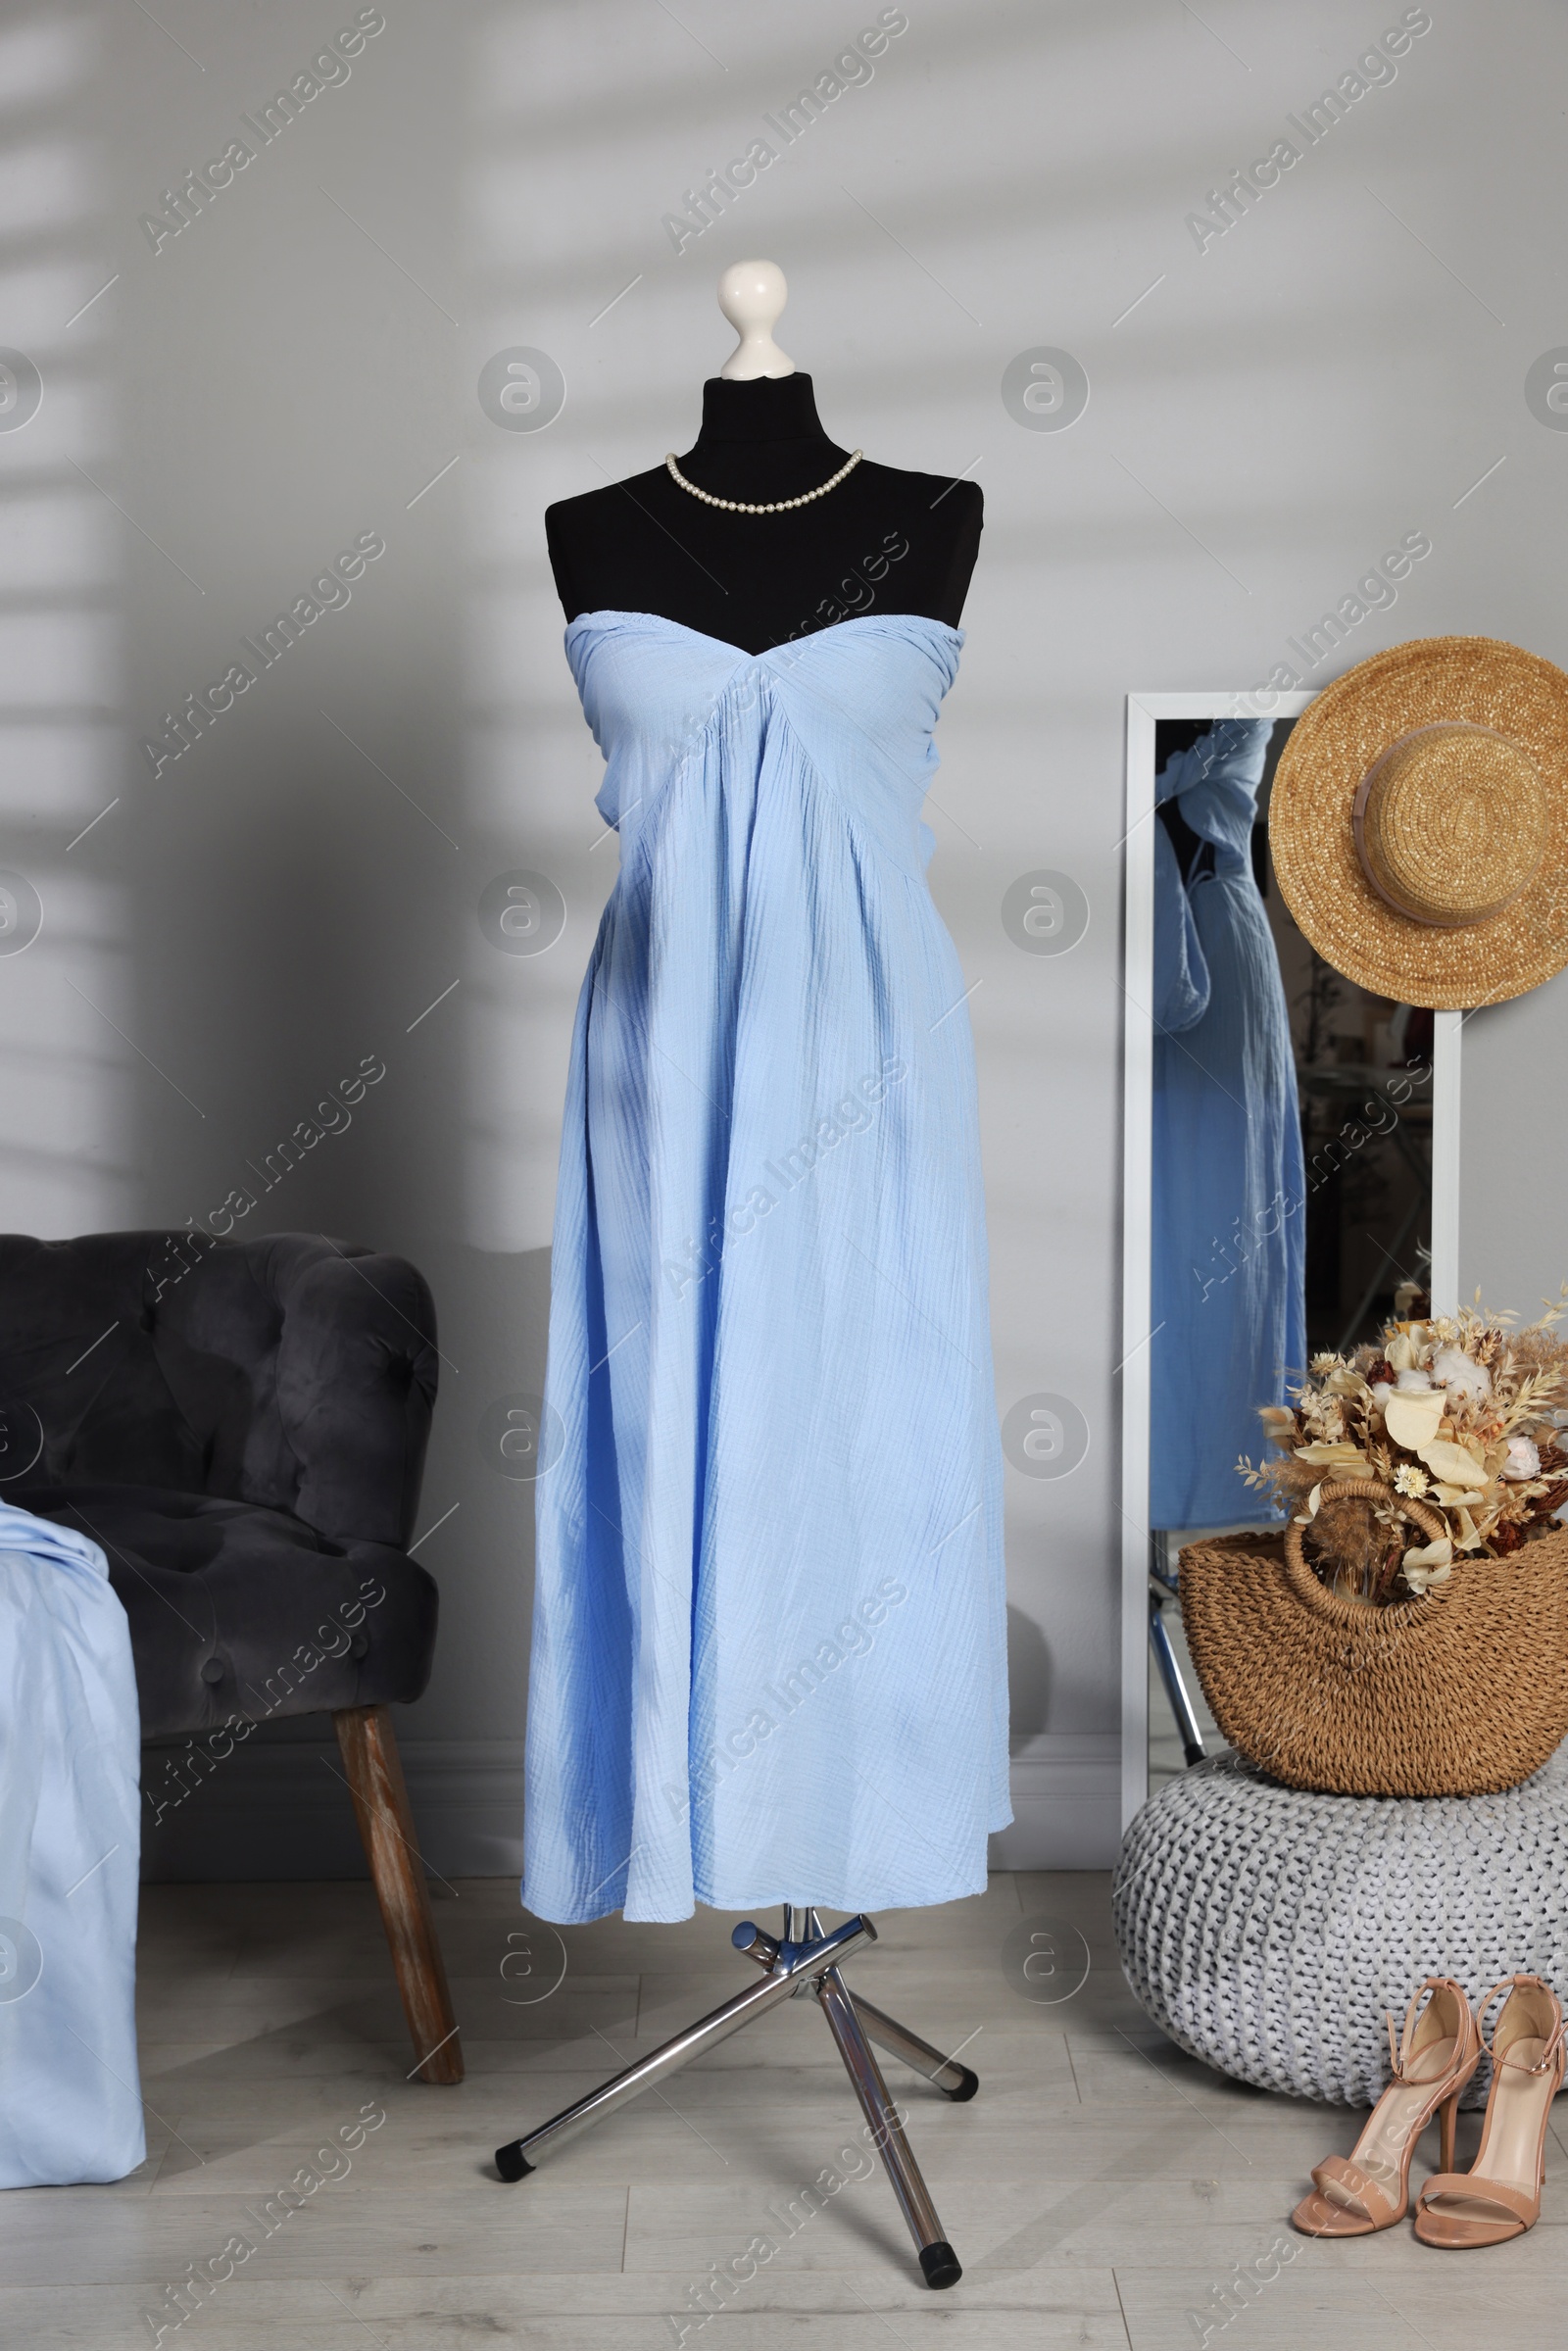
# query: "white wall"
1336,370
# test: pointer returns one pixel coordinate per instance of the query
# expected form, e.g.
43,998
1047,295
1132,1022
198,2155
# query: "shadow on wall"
65,1162
1028,1676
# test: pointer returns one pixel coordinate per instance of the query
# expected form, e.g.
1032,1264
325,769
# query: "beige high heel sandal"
1437,2054
1499,2196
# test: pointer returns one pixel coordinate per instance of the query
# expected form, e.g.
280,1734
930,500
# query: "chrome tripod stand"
802,1960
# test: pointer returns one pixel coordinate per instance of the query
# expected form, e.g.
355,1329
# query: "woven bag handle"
1364,1489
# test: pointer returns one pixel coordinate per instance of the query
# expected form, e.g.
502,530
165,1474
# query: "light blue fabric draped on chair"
70,1845
768,1657
1229,1193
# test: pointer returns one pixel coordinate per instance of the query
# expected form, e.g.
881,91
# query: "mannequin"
885,540
770,941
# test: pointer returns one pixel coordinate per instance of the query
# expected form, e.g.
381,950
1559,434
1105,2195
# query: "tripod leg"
1170,1673
525,2154
956,2080
938,2260
520,2156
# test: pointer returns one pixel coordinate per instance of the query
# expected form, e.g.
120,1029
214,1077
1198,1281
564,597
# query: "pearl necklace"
780,505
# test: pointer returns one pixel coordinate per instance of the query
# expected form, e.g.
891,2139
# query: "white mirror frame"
1137,1069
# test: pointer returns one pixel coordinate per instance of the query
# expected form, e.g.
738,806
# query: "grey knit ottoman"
1266,1930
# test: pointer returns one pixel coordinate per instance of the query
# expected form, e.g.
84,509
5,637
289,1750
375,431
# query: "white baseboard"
282,1810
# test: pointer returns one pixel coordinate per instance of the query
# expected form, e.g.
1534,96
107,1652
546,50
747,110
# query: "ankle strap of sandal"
1428,1984
1554,2041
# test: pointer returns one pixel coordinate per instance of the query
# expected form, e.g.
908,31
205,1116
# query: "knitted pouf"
1266,1929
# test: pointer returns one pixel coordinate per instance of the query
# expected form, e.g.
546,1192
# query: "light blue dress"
768,1648
1229,1192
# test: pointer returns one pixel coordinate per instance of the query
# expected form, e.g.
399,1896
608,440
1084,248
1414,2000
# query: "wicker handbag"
1462,1694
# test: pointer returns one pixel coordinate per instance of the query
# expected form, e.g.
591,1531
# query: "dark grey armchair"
241,1425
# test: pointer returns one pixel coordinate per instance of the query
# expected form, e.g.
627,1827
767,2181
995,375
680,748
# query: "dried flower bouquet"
1465,1415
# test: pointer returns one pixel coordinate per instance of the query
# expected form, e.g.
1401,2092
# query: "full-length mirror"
1290,1171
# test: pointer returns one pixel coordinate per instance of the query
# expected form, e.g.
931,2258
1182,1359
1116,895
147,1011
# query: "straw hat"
1419,822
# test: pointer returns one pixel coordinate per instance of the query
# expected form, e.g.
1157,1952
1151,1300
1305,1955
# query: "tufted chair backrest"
292,1370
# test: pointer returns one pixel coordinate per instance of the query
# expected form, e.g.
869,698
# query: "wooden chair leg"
374,1773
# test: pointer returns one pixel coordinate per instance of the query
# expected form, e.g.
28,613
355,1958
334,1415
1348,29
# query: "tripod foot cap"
513,2163
966,2088
940,2264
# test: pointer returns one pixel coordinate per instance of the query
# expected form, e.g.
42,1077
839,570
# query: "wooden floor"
1099,2190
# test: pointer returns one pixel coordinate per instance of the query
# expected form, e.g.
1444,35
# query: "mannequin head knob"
750,295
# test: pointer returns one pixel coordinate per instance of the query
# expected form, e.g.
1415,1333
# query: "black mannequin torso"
885,540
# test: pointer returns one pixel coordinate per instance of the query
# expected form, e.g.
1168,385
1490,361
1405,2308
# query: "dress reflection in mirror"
1228,1306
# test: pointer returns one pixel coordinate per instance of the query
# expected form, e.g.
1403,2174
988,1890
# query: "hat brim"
1330,749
